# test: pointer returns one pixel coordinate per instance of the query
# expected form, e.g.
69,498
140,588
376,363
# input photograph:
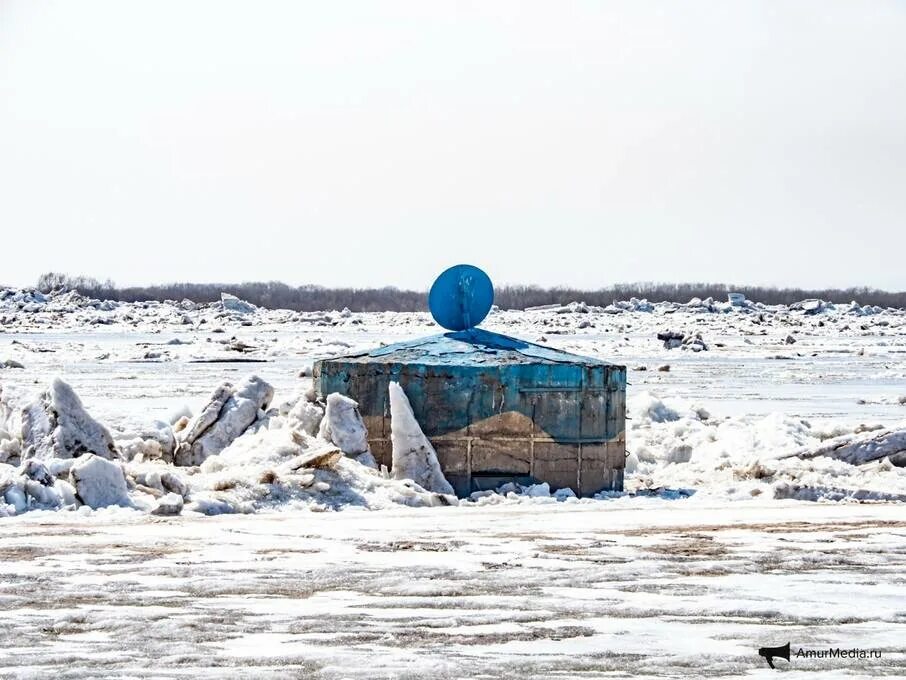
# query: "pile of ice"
512,492
231,303
735,303
679,445
242,453
688,340
237,454
29,309
858,448
631,305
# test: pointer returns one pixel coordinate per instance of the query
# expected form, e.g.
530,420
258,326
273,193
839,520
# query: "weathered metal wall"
557,422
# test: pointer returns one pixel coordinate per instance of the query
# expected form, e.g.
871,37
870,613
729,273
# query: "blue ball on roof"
461,297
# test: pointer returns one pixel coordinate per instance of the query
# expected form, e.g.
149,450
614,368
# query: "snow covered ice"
99,483
229,414
57,426
167,474
343,425
648,587
769,399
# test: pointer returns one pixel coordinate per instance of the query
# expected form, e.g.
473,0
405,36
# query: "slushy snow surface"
634,588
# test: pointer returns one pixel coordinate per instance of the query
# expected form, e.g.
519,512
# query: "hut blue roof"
471,347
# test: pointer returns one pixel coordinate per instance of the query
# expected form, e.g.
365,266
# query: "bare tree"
309,298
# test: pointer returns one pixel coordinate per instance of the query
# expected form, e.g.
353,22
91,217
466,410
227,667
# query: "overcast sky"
363,143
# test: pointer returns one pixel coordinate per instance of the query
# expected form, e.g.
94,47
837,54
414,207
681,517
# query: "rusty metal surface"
495,406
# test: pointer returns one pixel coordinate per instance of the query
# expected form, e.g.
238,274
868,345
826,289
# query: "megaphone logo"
771,653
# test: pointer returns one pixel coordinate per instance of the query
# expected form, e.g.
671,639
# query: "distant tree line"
309,298
268,294
520,297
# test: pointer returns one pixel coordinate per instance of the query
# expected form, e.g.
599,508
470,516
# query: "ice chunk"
695,343
14,494
99,482
306,416
367,459
66,491
42,496
208,415
154,442
645,407
413,456
174,483
671,339
679,454
37,471
10,448
212,432
171,504
326,456
38,427
343,425
564,494
231,303
538,490
56,425
211,506
863,448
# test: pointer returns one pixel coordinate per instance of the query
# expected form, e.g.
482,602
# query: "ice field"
765,503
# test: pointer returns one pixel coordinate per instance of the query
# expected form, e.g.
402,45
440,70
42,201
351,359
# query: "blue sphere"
461,297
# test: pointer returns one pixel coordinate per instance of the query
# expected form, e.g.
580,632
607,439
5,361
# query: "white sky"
370,143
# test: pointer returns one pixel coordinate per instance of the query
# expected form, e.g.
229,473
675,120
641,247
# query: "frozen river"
653,588
858,376
504,587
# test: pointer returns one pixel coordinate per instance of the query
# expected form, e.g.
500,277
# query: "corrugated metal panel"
501,409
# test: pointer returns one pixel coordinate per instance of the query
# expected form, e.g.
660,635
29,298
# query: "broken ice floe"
235,455
241,454
28,309
229,412
342,424
672,444
691,341
98,482
413,455
231,303
56,425
860,447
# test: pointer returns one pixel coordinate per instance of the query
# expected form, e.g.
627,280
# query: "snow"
676,444
413,455
647,587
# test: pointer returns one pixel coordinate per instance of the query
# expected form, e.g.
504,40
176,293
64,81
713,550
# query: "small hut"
495,408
